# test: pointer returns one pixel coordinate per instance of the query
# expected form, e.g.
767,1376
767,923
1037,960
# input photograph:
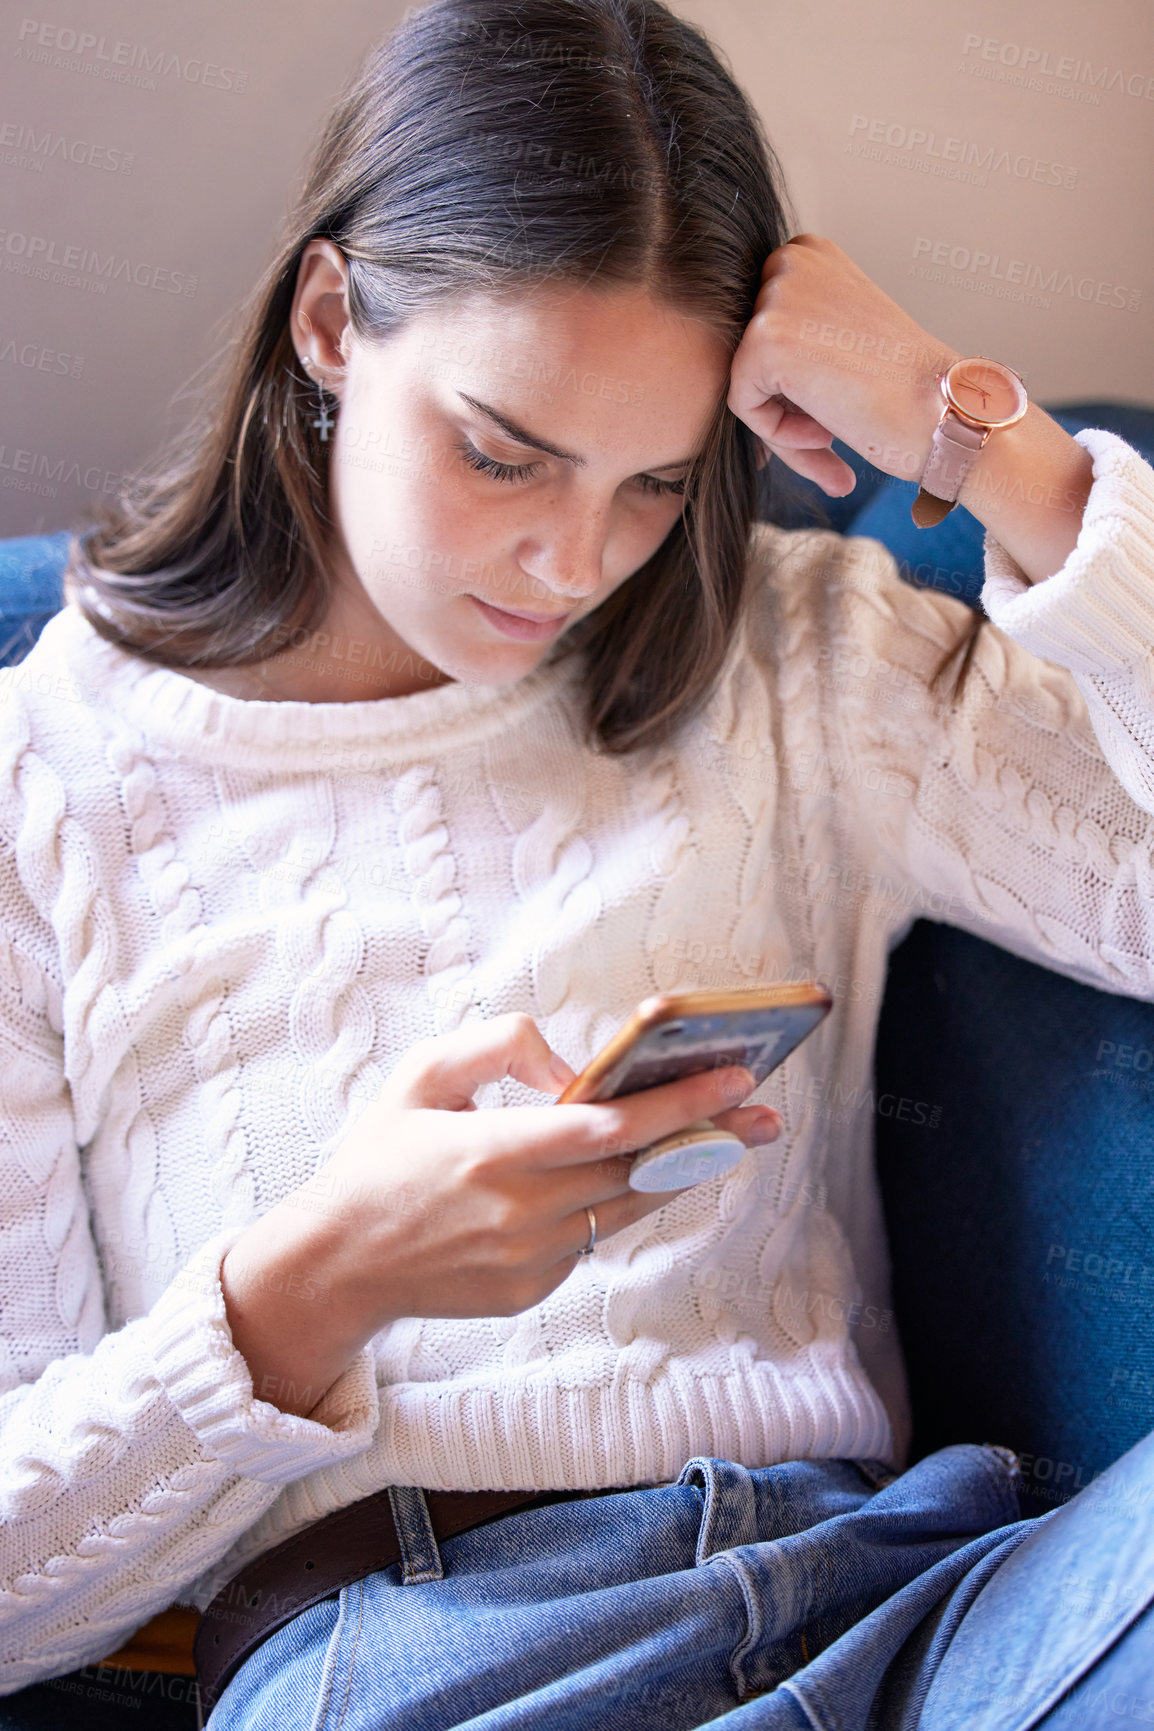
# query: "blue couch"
1021,1226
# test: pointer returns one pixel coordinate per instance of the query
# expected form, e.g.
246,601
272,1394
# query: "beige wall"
989,162
1021,225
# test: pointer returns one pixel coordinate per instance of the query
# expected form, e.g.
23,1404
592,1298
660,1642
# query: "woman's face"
524,453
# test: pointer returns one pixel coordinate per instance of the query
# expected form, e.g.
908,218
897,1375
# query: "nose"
566,558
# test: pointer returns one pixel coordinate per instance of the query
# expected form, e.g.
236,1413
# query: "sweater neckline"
197,722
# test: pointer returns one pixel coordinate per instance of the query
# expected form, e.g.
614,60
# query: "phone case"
674,1034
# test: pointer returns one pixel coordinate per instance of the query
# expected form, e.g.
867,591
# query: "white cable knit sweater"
224,920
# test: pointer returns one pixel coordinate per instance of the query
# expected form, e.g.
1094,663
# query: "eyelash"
523,471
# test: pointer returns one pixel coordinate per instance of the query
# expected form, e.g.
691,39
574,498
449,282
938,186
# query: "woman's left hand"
828,355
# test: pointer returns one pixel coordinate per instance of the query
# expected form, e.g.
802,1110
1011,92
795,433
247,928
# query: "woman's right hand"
432,1208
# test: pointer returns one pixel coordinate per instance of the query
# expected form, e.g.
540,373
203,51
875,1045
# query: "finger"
597,1182
784,430
604,1185
756,1125
778,422
835,478
779,259
572,1234
588,1183
569,1135
446,1070
613,1216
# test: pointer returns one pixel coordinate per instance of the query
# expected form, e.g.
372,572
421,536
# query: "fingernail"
561,1070
766,1129
737,1084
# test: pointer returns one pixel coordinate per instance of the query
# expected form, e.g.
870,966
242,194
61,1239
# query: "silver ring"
588,1250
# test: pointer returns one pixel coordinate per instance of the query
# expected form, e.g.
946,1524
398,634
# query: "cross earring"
324,422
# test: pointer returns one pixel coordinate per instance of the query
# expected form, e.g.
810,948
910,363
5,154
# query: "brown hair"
484,144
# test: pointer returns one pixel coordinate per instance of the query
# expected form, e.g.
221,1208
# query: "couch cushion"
1022,1226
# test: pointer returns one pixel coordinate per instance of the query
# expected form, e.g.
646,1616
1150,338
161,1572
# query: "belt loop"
420,1558
729,1517
877,1474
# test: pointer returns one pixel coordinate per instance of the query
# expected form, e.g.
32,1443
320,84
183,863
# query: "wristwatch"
982,396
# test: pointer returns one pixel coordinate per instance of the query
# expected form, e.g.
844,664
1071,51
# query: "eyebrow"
524,437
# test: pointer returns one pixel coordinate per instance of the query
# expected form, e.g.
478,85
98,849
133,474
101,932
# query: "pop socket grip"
689,1156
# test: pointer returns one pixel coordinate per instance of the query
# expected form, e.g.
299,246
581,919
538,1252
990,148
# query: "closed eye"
525,471
490,466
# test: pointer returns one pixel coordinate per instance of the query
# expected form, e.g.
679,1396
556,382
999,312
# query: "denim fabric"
1122,1689
1067,1610
790,1598
646,1610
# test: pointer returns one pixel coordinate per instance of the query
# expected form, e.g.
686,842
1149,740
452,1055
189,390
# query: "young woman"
436,701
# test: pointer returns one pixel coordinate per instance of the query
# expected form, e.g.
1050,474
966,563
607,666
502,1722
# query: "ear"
319,319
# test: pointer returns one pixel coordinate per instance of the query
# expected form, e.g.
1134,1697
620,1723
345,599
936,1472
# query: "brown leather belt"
316,1563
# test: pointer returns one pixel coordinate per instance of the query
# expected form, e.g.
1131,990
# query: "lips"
524,625
533,618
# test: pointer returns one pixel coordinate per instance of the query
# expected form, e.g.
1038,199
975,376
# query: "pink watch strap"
951,456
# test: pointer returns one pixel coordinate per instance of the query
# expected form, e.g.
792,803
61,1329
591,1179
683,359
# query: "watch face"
989,392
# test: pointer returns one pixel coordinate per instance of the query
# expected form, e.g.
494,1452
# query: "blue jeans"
812,1596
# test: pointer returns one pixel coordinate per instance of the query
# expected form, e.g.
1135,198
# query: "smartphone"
675,1034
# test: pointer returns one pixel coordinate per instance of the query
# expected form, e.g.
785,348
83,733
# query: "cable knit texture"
224,922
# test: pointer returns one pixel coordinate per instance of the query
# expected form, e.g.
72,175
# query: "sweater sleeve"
130,1460
1023,812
